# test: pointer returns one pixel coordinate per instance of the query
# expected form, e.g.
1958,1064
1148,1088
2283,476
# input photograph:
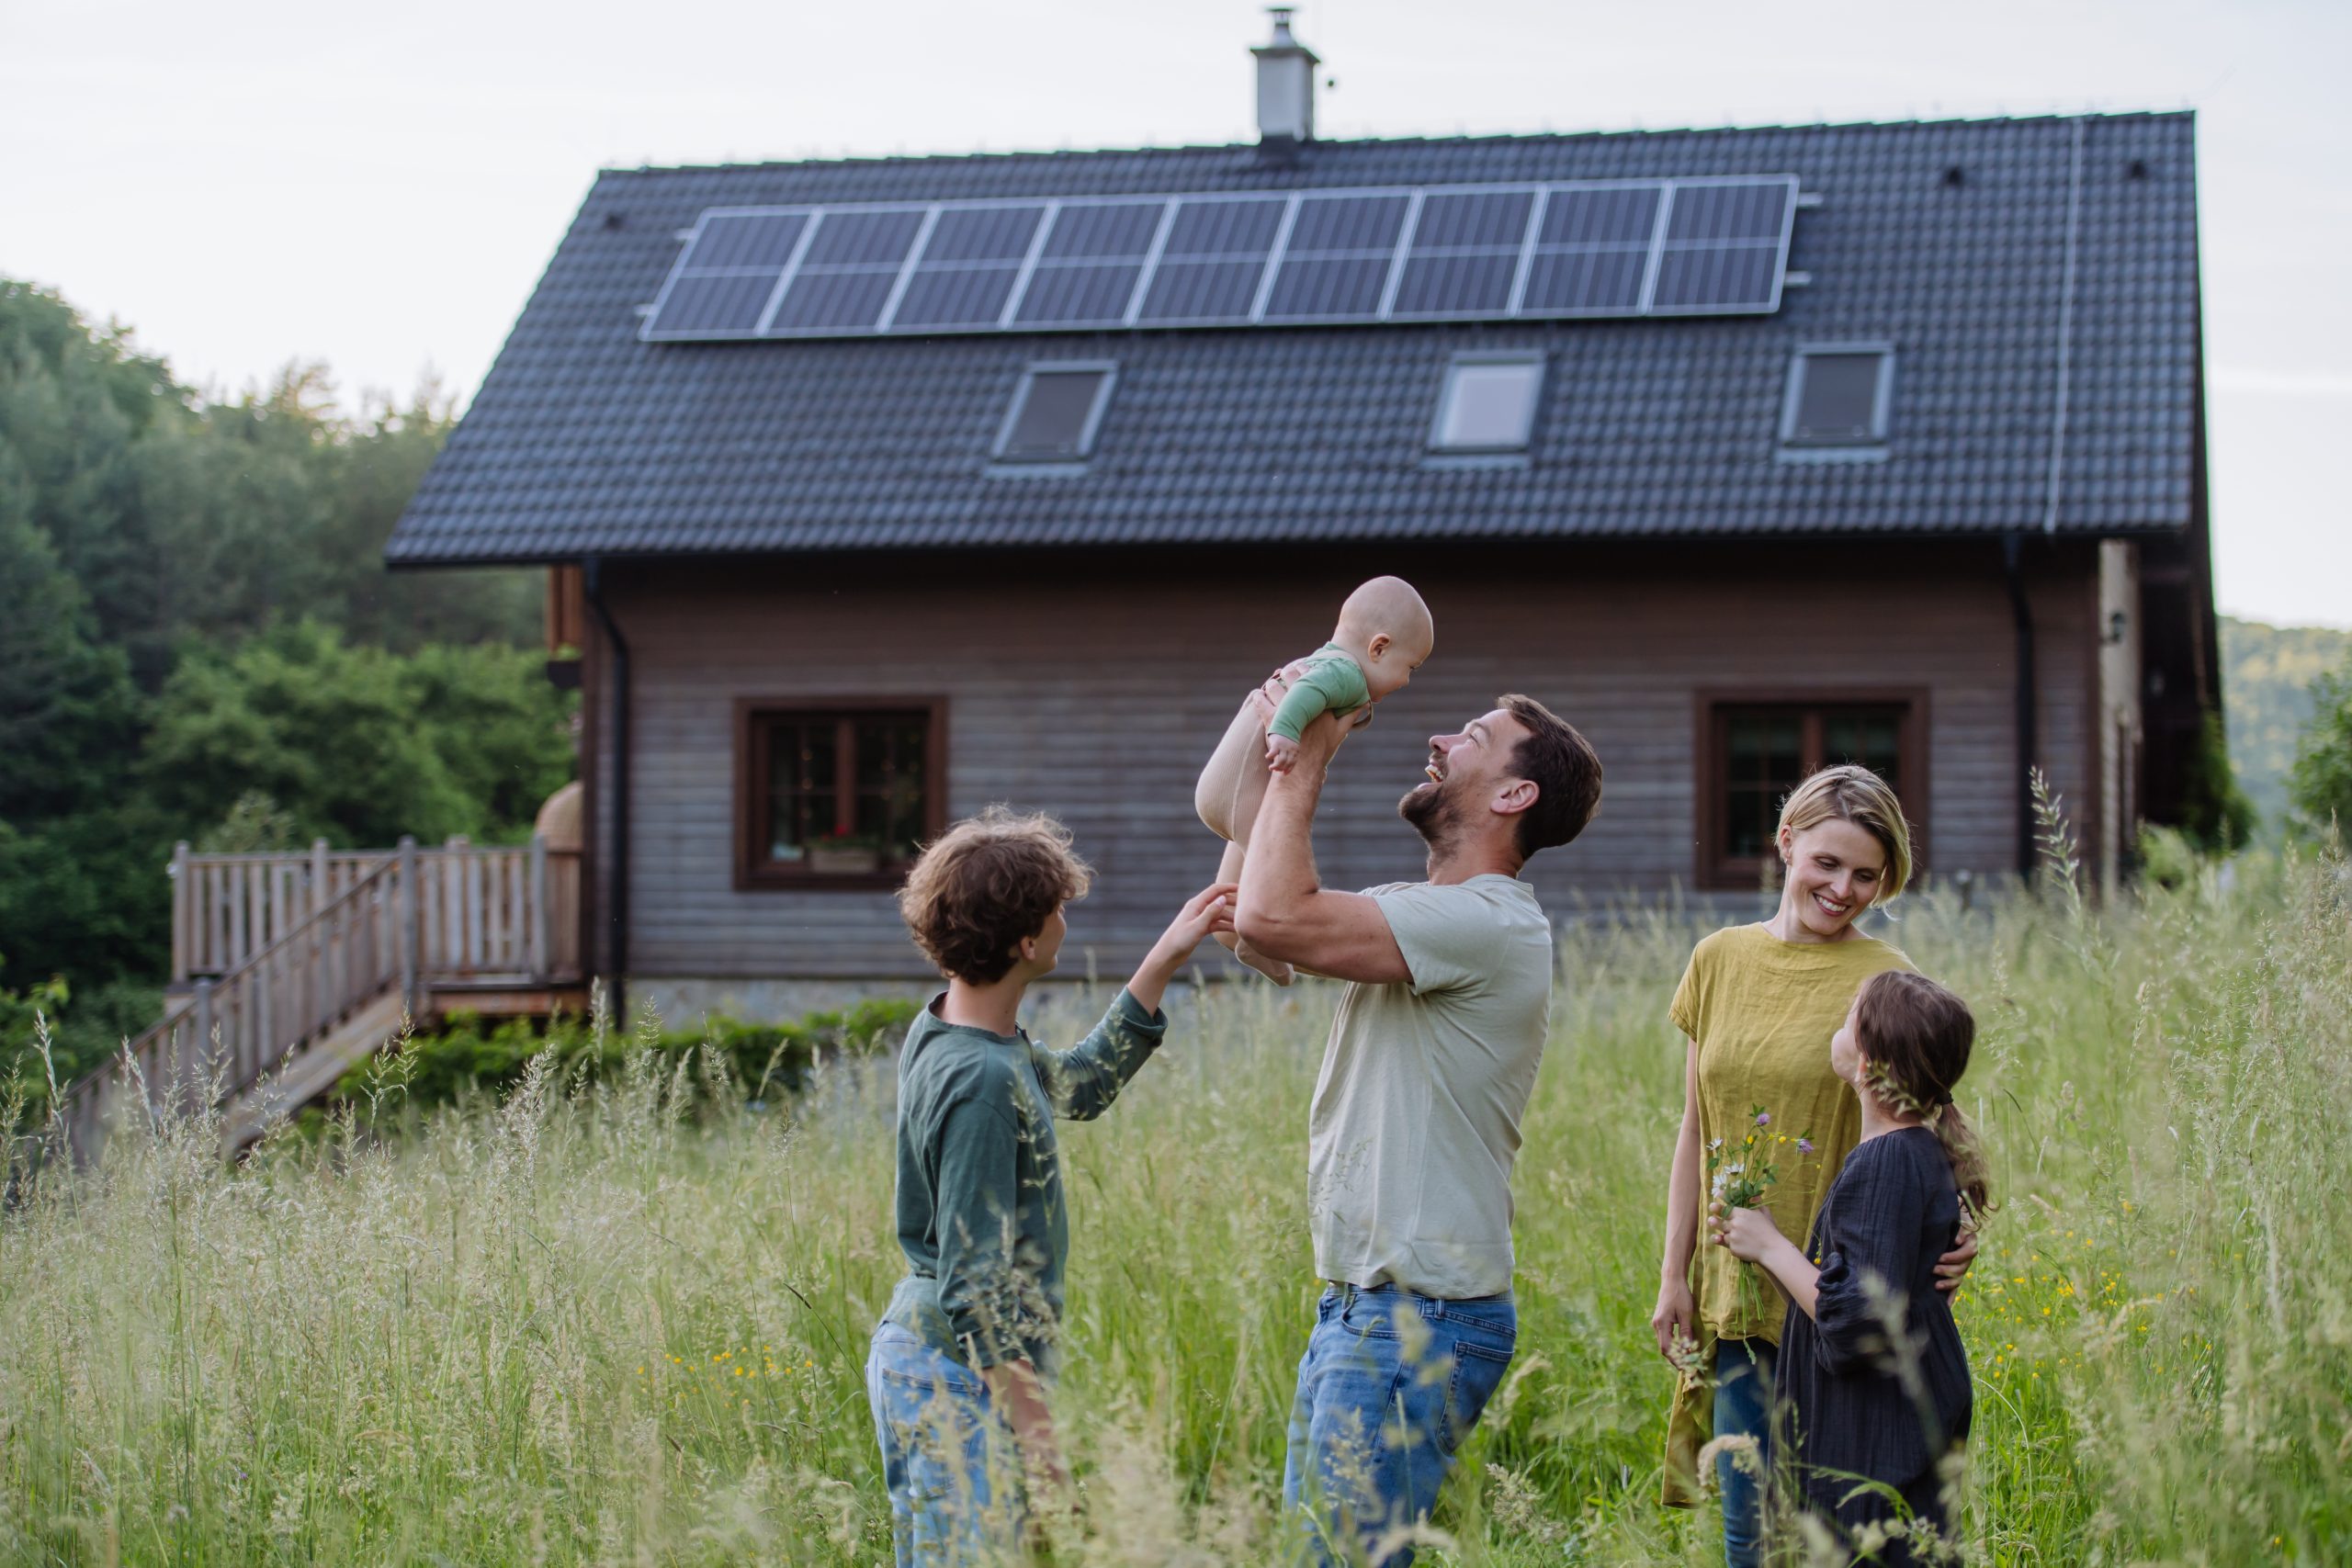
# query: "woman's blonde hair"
1851,793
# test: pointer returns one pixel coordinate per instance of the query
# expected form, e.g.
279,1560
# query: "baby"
1384,634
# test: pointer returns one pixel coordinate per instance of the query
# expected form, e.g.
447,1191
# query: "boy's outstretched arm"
1205,914
1083,1081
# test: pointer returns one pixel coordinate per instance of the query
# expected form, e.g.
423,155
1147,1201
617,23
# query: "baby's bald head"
1388,629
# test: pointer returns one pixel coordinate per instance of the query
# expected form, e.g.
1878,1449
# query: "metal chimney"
1285,84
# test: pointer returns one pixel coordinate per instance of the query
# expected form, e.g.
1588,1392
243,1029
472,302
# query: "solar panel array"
1713,245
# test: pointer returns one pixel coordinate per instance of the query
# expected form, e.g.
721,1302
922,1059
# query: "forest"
199,641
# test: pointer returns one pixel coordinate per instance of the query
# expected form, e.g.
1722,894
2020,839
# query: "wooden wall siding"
1098,699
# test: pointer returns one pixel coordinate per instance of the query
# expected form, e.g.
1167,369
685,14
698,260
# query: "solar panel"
1504,251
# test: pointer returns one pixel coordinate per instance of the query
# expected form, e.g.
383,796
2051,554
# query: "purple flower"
1804,1145
1763,1119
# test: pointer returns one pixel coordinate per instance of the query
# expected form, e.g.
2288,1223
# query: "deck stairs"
291,970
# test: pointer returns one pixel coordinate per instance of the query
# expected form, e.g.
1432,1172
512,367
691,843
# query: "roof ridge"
1623,134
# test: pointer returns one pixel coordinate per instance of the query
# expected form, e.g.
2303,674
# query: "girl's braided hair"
1915,1036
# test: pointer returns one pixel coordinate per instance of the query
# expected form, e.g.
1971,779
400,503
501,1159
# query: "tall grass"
587,1327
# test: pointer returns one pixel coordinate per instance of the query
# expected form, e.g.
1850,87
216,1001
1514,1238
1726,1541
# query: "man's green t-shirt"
1415,1123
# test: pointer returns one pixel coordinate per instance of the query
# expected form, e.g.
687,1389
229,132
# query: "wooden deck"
289,969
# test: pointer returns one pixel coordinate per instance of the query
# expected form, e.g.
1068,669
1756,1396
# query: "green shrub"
2321,780
469,1056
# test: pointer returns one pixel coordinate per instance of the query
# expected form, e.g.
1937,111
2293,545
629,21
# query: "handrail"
416,918
241,1010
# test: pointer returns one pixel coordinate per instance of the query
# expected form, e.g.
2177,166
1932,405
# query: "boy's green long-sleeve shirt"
1331,683
981,1213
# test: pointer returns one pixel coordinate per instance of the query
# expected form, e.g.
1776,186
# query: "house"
875,490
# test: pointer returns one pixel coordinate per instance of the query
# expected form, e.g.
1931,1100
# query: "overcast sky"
379,187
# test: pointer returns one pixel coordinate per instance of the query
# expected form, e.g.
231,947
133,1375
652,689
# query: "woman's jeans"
1744,1409
954,1482
1390,1385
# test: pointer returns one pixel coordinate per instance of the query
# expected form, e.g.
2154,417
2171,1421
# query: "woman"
1756,1007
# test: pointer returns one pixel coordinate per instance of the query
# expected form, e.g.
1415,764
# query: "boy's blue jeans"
955,1483
1390,1385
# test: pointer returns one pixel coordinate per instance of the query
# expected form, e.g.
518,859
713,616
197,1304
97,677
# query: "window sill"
886,880
1002,469
1442,461
1737,877
1821,455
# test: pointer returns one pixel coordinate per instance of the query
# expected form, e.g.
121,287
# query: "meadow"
608,1323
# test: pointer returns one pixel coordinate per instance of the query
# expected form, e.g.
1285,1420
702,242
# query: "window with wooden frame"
1754,750
837,793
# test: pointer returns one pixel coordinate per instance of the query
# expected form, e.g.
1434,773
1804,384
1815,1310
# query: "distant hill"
2267,674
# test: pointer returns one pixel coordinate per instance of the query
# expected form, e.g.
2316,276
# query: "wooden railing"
314,938
490,911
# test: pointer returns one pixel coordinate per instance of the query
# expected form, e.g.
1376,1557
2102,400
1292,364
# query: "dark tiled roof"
583,440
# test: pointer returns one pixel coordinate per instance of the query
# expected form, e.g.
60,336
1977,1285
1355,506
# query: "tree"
358,745
2320,782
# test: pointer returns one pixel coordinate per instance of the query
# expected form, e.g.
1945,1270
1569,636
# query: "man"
1415,1124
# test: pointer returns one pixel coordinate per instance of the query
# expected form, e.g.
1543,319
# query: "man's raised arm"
1285,911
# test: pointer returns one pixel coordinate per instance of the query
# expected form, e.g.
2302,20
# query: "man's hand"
1311,752
1282,752
1748,1232
1954,1266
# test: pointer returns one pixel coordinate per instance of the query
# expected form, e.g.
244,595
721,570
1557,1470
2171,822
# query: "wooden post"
542,907
198,1054
183,903
408,932
321,894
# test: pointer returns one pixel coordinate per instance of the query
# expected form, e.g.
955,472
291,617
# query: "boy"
967,1349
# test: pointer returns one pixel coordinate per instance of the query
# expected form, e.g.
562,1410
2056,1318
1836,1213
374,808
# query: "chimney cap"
1283,43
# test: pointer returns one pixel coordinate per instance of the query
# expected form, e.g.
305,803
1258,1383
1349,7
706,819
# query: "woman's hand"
1954,1266
1748,1232
1675,1317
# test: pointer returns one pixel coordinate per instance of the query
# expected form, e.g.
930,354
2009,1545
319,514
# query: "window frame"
1711,806
1001,450
754,871
1799,447
1439,447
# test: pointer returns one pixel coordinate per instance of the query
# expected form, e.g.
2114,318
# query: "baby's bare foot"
1273,969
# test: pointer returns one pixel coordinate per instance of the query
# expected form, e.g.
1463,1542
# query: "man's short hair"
1563,768
985,883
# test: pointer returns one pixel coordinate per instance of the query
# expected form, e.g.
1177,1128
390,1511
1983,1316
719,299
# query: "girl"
963,1358
1871,1360
1755,1004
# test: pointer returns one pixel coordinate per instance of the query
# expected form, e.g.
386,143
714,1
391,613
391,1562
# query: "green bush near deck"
472,1058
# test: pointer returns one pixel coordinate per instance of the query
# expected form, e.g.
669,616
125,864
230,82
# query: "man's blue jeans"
1744,1409
1390,1385
955,1483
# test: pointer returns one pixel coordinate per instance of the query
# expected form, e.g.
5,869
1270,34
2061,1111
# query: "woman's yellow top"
1762,1011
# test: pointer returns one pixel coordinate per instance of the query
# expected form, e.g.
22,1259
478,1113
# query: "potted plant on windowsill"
844,854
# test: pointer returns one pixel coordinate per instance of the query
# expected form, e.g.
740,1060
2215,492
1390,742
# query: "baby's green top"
1332,682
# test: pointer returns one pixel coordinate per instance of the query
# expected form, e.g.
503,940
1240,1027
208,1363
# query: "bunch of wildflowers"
1743,1176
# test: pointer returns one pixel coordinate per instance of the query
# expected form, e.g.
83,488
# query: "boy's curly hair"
985,883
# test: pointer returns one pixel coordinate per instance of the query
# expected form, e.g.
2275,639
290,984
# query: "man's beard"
1435,814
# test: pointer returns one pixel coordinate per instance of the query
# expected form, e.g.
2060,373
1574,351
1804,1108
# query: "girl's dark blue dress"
1865,1407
